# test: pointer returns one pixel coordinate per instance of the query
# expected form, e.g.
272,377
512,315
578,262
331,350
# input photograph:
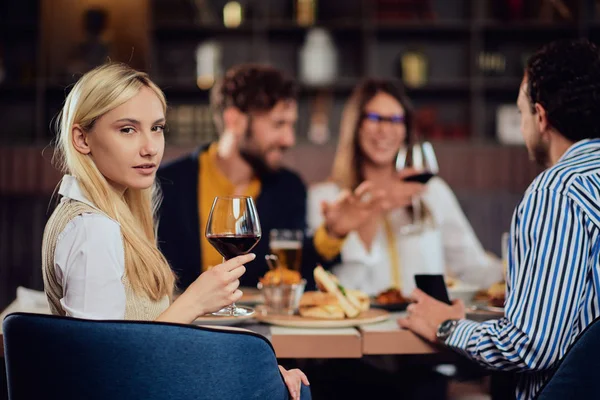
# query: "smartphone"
433,285
423,177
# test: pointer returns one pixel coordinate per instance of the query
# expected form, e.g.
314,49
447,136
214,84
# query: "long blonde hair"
96,93
347,165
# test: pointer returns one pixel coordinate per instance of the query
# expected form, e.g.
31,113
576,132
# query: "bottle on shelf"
318,58
306,12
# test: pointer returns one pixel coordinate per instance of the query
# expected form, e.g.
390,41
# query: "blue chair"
578,374
50,357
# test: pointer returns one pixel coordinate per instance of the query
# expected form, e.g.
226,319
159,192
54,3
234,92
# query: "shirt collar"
581,147
70,188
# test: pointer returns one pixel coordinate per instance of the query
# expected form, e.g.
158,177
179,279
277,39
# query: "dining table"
294,342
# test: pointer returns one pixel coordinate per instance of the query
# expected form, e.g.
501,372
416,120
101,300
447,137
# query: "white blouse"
370,270
89,260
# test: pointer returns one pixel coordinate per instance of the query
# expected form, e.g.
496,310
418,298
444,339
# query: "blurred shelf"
286,26
501,84
420,27
526,27
189,29
449,87
189,87
341,86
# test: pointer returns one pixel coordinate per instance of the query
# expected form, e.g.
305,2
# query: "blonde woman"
100,257
375,124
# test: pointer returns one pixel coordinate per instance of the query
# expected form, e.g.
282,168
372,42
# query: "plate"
390,306
486,308
369,317
210,319
251,296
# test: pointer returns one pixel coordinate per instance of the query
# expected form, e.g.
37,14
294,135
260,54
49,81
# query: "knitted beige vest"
137,307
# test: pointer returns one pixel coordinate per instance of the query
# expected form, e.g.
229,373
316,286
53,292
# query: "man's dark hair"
564,78
251,88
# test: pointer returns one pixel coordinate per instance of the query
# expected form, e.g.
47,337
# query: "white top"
89,260
370,271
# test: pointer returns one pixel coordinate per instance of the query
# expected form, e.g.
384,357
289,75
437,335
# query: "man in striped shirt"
553,277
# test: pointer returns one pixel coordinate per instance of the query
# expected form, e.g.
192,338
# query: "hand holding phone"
434,286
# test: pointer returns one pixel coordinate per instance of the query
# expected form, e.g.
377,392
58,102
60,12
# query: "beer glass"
286,244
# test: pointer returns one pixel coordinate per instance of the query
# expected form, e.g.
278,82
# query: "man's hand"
352,209
426,314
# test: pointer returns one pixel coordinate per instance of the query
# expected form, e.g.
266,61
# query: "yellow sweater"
212,183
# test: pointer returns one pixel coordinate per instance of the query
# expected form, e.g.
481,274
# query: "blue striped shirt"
553,276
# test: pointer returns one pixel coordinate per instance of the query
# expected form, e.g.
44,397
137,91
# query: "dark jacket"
281,204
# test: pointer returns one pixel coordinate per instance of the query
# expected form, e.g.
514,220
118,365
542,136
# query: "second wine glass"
233,229
421,157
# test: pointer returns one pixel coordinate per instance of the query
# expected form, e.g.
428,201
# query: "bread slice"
330,311
329,285
313,298
359,299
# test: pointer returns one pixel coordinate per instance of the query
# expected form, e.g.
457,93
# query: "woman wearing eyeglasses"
376,124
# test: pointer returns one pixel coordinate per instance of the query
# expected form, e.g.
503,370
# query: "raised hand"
352,209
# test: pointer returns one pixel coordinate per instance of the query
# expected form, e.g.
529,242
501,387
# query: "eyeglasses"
374,117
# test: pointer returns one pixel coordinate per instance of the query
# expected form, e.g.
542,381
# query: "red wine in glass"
233,229
231,246
422,158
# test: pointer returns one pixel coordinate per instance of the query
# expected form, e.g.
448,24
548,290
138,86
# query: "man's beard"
257,161
540,153
255,157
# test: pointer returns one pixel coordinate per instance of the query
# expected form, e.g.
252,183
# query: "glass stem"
416,204
231,307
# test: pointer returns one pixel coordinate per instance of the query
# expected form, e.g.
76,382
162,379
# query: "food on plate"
482,295
320,305
323,312
281,276
333,301
451,282
497,294
359,298
391,296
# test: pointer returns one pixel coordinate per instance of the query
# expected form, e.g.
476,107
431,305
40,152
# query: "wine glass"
233,229
421,157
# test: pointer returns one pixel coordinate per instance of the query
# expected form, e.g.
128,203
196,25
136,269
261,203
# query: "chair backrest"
64,358
578,374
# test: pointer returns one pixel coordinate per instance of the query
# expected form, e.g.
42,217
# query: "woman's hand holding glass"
400,193
211,291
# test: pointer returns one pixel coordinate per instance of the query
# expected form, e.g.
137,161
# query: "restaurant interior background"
461,61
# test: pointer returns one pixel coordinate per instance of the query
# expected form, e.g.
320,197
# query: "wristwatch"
445,329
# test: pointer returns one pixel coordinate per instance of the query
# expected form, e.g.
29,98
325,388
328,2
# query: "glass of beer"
286,244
